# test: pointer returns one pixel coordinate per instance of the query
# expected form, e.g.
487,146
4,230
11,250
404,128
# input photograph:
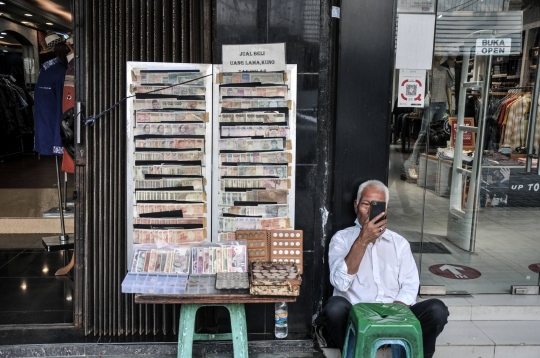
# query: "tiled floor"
31,293
507,239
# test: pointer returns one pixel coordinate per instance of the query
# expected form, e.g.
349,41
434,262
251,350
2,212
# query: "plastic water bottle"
281,329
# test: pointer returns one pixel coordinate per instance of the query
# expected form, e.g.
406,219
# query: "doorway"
32,293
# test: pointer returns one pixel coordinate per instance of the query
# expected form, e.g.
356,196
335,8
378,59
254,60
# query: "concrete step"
489,339
35,225
494,308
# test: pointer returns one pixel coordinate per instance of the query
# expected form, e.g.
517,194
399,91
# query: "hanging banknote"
140,171
169,78
265,211
251,145
171,143
255,157
187,156
251,103
168,221
196,183
253,117
231,224
176,90
170,236
188,210
226,236
255,131
269,196
143,116
257,77
279,171
160,103
254,183
238,91
150,195
171,129
275,91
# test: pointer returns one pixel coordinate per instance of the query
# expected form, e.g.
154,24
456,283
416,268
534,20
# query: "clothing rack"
10,77
497,91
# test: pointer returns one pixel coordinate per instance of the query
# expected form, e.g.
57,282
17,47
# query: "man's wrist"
359,242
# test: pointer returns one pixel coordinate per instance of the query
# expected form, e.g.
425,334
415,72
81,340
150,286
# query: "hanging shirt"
48,108
517,113
387,272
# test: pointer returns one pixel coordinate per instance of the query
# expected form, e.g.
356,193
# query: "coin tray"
201,284
257,244
232,280
286,246
275,279
154,283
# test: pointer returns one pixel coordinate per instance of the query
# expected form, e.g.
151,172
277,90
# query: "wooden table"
234,302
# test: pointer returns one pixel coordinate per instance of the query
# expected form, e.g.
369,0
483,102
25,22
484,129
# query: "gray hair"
375,184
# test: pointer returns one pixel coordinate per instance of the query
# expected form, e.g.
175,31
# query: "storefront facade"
347,84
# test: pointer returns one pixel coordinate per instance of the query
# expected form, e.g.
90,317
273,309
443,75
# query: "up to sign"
493,46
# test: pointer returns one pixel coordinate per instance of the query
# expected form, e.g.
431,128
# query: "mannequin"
441,82
455,70
48,100
48,112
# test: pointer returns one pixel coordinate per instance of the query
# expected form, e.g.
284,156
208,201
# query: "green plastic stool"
372,325
186,334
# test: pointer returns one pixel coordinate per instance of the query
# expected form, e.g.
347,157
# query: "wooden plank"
209,299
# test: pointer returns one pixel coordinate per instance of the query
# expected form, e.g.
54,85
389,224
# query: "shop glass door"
476,183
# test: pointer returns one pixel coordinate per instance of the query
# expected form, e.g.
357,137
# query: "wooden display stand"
191,303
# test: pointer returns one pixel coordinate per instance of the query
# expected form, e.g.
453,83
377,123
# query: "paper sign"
415,41
493,46
415,6
254,58
411,88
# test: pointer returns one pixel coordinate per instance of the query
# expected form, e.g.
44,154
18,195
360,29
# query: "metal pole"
477,163
532,125
63,237
65,191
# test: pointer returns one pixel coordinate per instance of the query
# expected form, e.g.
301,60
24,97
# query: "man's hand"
371,230
401,303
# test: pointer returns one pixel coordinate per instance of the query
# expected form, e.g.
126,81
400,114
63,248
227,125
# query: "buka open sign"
493,46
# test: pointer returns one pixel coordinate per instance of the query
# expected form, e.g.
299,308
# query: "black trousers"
432,314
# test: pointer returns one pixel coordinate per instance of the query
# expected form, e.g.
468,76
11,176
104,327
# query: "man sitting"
371,264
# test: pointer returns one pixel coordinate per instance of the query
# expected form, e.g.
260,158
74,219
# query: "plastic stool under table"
186,331
372,325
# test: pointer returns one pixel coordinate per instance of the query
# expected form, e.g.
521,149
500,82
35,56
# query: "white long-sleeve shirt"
387,272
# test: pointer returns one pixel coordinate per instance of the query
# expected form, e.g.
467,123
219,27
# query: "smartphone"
377,207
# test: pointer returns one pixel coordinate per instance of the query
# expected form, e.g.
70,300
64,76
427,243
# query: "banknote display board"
254,127
208,153
169,153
